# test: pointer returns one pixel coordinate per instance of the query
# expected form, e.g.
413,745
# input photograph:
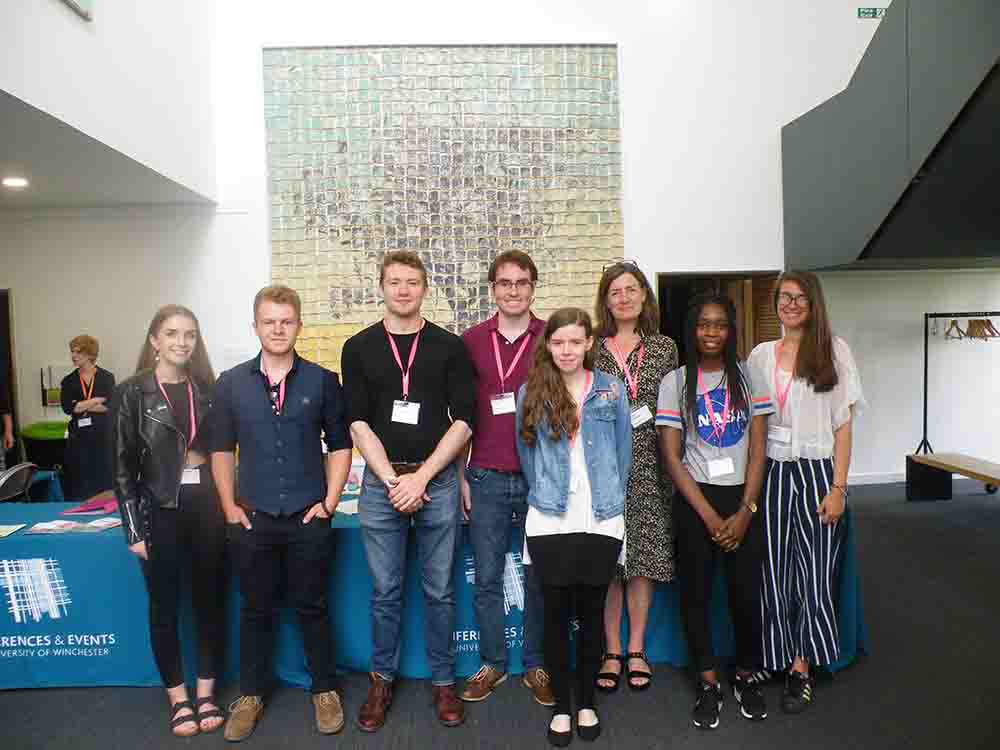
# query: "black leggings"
697,558
559,606
192,533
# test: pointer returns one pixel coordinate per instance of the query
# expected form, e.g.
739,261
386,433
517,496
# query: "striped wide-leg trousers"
800,565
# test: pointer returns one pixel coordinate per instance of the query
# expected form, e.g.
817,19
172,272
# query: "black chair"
15,481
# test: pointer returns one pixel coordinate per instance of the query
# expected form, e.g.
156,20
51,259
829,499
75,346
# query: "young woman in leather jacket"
170,508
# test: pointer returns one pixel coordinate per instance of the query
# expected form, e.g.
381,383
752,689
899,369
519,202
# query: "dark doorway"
7,368
751,293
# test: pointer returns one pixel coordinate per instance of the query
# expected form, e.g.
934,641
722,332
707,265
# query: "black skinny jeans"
697,558
192,534
560,602
276,549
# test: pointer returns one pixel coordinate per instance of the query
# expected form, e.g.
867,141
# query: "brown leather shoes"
481,685
448,707
376,705
541,686
244,713
329,712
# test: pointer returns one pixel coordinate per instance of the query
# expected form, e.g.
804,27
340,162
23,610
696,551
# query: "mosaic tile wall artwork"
456,152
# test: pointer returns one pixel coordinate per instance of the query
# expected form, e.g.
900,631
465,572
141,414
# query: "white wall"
106,272
881,316
137,78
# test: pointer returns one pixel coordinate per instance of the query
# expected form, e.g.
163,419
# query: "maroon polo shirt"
493,444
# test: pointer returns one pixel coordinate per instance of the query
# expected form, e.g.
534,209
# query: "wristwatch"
750,505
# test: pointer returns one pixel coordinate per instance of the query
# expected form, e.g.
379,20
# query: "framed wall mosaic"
456,152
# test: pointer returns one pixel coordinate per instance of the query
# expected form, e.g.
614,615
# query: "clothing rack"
925,445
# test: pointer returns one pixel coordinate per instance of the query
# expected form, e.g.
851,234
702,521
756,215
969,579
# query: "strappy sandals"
638,674
613,677
177,721
211,713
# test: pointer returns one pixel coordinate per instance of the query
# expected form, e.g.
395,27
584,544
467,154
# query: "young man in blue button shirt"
276,408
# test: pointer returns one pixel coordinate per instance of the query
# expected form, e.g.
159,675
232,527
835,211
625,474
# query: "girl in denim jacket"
574,438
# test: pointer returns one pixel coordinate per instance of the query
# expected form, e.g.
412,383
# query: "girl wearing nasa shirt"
712,420
816,390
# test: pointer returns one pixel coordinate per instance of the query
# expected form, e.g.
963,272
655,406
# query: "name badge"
405,412
779,434
640,416
191,475
721,467
84,422
503,403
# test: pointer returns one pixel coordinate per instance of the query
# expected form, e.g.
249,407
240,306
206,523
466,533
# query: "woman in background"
816,391
170,508
633,350
85,394
575,444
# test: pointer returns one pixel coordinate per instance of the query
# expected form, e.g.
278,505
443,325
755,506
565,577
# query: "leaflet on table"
6,531
100,504
61,526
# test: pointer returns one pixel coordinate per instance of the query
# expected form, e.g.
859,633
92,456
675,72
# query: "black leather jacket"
149,450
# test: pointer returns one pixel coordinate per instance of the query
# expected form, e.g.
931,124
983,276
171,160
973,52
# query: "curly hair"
548,404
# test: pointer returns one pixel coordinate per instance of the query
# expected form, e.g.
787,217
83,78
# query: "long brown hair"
547,401
649,318
199,368
814,362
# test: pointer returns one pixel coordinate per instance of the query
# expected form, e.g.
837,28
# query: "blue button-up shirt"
281,467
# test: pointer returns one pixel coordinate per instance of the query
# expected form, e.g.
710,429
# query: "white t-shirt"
811,417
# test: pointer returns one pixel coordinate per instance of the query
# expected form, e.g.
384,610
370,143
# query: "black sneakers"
749,694
707,706
798,693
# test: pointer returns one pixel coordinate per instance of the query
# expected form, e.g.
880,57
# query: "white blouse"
812,417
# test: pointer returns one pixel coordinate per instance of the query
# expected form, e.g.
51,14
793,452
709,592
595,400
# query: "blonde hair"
279,294
85,345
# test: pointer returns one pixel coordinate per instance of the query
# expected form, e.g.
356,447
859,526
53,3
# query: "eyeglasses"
788,300
624,262
505,285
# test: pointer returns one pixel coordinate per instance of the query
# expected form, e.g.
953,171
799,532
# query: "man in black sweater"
410,391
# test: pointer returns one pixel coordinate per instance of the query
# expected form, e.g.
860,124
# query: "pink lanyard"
194,422
399,361
517,358
622,360
781,396
718,428
281,387
579,406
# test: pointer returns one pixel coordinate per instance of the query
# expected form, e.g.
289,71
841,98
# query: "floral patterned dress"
649,525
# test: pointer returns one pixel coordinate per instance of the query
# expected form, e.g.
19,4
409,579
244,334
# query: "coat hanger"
991,329
974,329
954,331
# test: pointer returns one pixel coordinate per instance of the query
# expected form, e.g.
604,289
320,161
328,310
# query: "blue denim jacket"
607,435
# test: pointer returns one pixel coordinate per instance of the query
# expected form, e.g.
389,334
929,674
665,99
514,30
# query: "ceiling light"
15,183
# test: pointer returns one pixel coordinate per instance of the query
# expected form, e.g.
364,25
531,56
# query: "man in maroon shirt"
494,492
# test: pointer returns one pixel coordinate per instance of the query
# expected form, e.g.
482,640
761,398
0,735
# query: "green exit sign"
872,13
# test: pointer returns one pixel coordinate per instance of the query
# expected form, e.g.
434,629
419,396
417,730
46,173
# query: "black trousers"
276,548
697,558
560,603
192,534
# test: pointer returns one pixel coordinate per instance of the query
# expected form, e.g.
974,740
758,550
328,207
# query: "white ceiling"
68,169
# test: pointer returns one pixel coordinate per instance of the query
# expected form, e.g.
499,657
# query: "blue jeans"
384,532
499,507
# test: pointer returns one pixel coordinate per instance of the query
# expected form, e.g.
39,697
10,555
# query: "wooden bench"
928,476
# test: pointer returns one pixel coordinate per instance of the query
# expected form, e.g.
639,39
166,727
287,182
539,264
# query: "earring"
156,357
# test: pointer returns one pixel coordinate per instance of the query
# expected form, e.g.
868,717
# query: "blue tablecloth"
74,612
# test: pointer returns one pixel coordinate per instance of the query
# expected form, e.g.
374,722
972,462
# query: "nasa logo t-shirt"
705,448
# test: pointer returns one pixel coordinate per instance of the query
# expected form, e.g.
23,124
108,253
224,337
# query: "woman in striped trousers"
816,390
